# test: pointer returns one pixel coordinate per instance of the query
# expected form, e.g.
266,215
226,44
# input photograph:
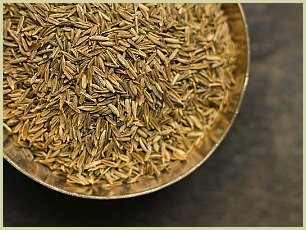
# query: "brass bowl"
203,149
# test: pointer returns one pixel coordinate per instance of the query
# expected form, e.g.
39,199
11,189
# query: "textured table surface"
254,178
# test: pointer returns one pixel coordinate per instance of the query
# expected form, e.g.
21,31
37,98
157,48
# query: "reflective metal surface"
201,151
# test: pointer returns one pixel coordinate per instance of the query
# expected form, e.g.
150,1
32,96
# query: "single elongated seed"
114,109
141,6
99,38
127,106
172,40
18,60
142,133
9,44
25,130
134,108
102,139
7,127
86,108
148,96
123,61
173,54
107,43
143,146
105,16
112,57
20,24
156,139
109,86
162,57
66,23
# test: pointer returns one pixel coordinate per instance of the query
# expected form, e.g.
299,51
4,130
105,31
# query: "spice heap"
113,93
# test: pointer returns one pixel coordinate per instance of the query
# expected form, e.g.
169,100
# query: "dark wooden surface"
253,179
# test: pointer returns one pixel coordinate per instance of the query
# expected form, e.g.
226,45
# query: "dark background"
254,178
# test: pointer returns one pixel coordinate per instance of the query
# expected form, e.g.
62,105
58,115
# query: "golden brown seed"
114,93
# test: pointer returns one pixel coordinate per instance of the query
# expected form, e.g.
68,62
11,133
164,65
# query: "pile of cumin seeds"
113,93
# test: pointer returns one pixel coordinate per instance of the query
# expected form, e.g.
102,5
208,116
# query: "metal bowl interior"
201,151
